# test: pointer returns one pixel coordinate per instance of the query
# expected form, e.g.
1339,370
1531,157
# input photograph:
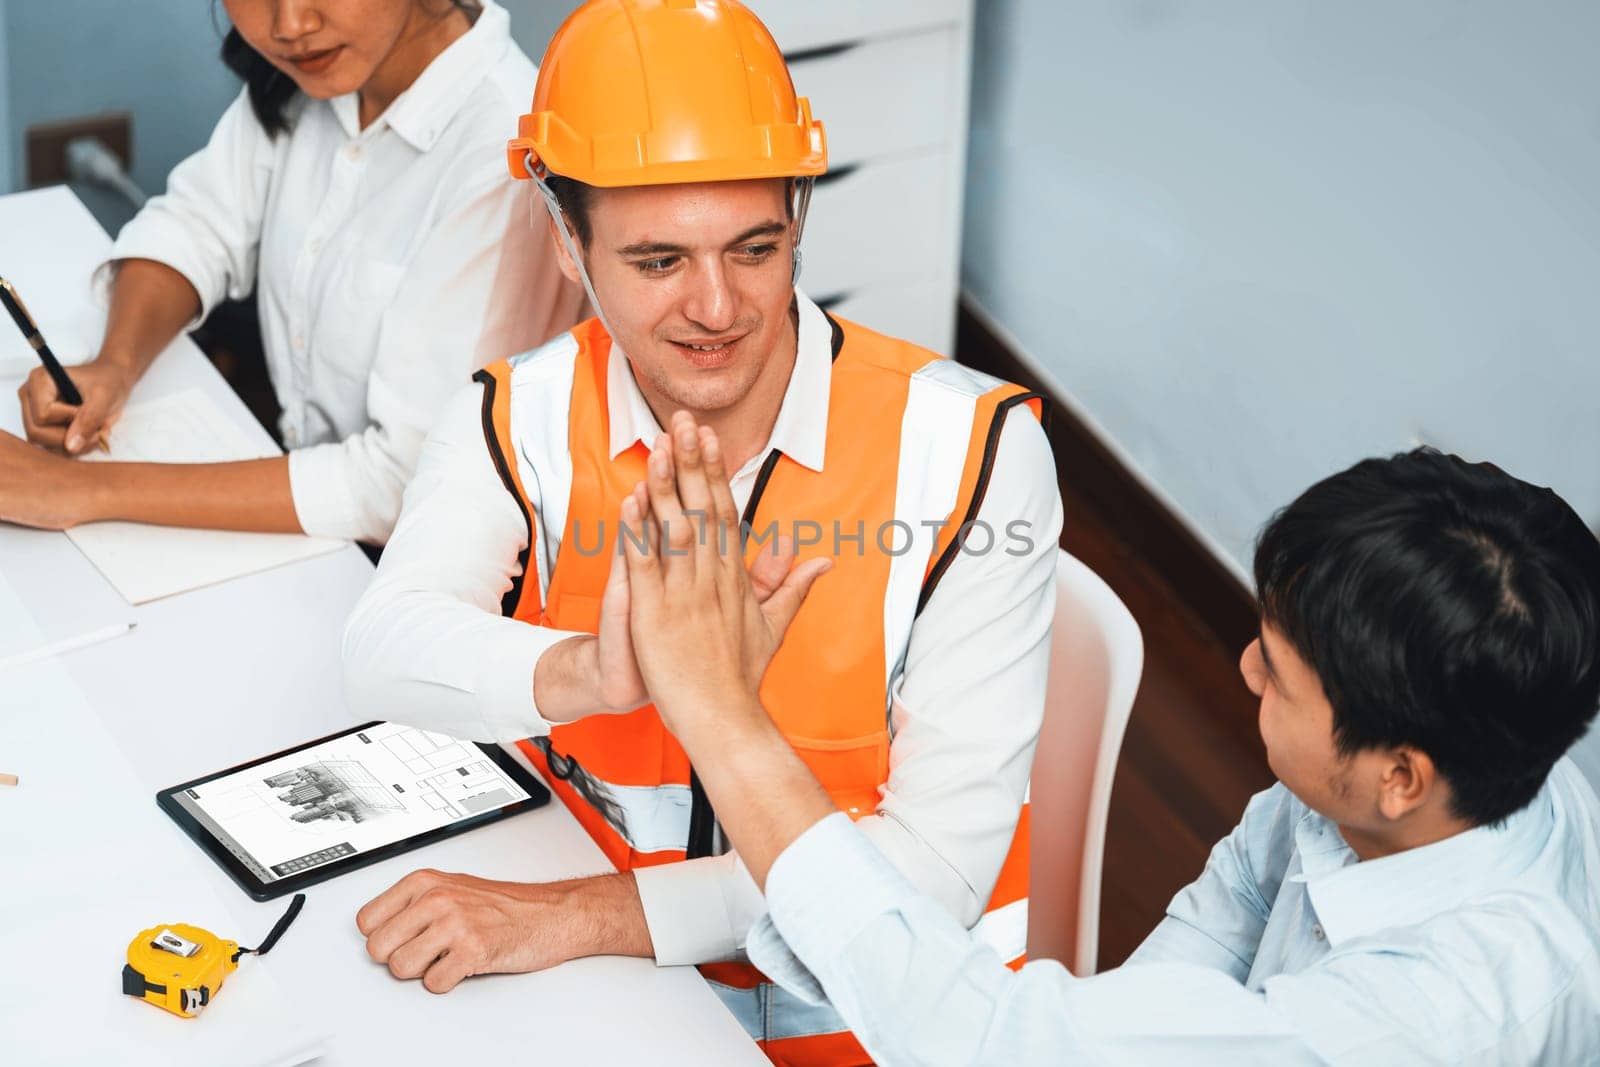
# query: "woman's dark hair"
270,88
1447,606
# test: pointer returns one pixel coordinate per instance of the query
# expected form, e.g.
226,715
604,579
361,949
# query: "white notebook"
150,562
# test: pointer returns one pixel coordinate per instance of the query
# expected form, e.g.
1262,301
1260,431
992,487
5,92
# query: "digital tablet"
309,813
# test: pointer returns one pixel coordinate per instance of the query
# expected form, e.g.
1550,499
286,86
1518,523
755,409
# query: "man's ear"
1409,780
563,257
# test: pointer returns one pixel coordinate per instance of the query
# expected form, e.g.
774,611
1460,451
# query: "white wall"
1260,240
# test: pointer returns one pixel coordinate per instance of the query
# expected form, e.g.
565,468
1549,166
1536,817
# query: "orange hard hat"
656,92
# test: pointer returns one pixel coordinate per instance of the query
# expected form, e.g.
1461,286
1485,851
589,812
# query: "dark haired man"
1422,885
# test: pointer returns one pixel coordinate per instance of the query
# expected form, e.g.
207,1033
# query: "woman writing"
358,185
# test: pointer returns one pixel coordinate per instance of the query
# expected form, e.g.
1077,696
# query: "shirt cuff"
504,682
322,499
354,488
700,910
823,890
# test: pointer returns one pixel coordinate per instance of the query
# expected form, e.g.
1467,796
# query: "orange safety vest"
907,430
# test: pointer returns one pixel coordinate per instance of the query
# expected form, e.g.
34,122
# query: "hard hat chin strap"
802,204
553,206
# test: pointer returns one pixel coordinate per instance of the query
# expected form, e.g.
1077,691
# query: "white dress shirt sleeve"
965,721
207,225
916,988
1500,983
1218,919
482,285
426,644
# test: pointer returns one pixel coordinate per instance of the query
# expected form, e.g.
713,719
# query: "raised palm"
622,687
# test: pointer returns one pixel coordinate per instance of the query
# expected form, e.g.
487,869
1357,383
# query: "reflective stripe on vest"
648,818
911,439
769,1012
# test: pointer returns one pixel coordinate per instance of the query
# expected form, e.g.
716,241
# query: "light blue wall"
6,182
1258,241
534,22
66,58
156,58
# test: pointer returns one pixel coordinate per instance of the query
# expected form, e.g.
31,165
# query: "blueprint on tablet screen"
347,796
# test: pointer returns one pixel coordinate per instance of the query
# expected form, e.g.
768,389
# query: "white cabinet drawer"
884,97
800,25
922,311
879,222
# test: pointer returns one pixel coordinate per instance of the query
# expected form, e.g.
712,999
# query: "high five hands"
703,628
697,630
601,673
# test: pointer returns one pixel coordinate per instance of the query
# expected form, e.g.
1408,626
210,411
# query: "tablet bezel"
538,796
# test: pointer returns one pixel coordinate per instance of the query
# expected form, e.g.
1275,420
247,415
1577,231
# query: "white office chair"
1096,658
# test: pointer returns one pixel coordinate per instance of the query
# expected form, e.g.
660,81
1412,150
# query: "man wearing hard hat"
677,165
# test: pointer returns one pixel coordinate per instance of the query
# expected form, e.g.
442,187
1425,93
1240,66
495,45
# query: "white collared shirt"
389,264
427,645
1480,949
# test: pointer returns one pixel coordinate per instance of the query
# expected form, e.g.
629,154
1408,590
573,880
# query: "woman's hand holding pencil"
62,411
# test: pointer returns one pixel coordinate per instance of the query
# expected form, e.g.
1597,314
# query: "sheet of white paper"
149,562
90,862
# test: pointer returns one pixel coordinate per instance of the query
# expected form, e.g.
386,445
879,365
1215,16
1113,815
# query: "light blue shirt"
1483,948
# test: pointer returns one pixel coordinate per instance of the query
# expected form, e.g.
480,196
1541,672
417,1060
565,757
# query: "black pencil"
30,330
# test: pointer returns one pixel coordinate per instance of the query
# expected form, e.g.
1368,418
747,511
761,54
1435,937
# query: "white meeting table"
225,674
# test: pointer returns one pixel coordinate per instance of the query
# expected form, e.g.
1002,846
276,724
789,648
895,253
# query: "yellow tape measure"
181,968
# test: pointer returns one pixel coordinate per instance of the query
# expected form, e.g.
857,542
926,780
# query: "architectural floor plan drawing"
422,750
466,790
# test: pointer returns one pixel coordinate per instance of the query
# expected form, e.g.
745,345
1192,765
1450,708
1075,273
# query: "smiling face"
329,47
695,282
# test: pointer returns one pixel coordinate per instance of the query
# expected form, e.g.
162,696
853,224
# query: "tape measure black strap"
134,984
277,930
